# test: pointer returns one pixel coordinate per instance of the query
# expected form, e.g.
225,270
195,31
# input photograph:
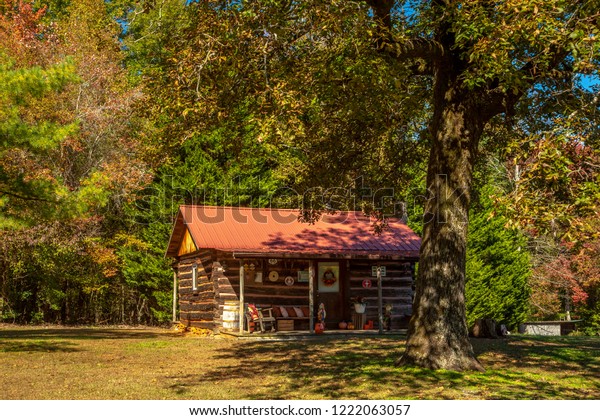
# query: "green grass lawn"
150,363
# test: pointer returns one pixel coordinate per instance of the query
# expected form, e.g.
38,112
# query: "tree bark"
438,335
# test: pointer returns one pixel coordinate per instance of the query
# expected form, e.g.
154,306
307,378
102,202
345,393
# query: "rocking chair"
263,319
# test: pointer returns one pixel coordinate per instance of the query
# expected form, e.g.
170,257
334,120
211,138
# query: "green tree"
25,140
498,267
207,169
69,162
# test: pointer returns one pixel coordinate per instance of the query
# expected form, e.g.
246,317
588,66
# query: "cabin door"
330,292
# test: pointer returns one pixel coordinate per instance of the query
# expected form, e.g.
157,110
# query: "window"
194,277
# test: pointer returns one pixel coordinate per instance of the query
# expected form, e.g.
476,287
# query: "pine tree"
25,141
498,268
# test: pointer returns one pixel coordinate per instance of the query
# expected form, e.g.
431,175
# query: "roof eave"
169,252
345,255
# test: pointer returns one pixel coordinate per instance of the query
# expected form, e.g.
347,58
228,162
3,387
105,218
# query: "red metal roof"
278,231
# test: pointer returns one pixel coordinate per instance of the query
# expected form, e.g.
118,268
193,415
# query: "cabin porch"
294,288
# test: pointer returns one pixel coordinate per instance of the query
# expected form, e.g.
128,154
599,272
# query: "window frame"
194,277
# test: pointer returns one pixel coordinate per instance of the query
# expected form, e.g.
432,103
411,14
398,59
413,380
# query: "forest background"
114,113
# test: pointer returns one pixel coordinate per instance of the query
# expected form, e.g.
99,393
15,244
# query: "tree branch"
422,48
532,71
382,11
500,101
415,48
24,197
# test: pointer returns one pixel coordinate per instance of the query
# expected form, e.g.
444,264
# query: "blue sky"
589,82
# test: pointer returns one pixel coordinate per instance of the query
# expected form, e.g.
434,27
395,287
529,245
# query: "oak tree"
483,58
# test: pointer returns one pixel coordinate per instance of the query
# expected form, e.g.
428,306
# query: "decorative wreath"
329,277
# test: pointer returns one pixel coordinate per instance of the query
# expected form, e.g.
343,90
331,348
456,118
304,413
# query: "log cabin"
228,257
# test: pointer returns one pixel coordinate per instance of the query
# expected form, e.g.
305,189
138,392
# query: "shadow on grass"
579,355
363,369
85,333
63,340
37,346
282,370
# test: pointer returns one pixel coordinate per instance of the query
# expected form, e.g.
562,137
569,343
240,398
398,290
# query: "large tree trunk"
438,334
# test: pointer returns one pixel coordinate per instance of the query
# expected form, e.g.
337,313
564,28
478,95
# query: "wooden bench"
284,323
288,323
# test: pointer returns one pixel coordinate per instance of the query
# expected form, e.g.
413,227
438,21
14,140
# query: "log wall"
219,278
397,288
270,292
226,284
196,307
226,280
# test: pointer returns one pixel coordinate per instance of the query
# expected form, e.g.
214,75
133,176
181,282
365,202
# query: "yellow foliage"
199,332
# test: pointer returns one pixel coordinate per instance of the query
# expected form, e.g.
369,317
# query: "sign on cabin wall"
374,270
303,276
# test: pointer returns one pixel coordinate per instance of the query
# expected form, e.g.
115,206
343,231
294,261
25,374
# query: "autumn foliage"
112,113
556,199
69,164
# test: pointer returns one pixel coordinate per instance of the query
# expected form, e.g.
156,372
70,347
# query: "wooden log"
276,297
195,307
198,316
196,296
311,295
228,291
200,276
200,289
281,291
175,293
242,297
228,296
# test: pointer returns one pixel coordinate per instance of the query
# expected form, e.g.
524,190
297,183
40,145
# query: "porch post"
175,295
311,295
379,300
242,300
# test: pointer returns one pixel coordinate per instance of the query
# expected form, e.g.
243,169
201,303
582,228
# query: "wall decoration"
329,275
250,272
303,276
374,270
289,281
273,276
